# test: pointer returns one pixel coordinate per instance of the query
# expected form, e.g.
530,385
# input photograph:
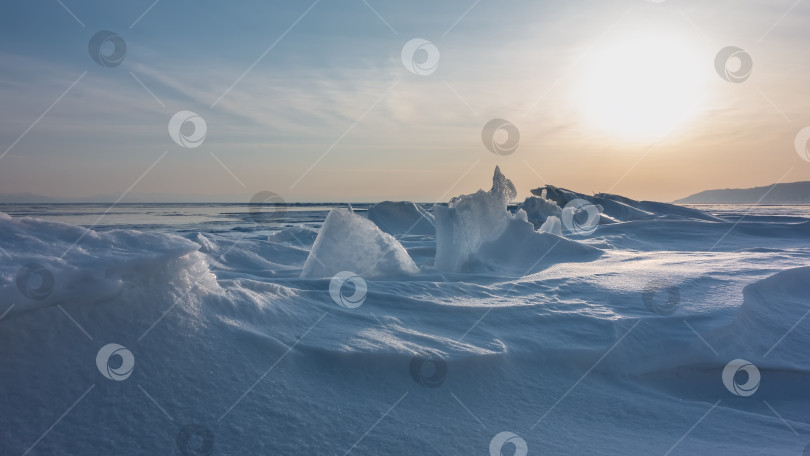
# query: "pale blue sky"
330,113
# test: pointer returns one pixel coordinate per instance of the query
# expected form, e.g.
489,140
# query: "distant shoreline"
781,193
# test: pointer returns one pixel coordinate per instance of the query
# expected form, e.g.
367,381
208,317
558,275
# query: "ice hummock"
538,210
470,220
402,217
349,242
477,233
616,208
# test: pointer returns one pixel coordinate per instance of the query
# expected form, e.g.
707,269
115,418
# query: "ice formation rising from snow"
470,220
538,210
349,242
477,233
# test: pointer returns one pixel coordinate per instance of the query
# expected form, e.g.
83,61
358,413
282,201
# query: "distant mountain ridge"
794,192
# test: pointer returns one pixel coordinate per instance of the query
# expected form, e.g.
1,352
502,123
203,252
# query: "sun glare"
642,89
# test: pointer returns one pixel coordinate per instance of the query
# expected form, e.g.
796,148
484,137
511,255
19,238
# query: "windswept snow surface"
664,331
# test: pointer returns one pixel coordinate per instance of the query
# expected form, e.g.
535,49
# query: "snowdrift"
773,309
299,236
49,263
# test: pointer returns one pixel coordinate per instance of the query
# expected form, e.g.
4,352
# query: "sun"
642,88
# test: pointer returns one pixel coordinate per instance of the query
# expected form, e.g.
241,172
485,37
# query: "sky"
332,100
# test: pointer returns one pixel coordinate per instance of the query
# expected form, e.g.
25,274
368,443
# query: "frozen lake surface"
232,337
